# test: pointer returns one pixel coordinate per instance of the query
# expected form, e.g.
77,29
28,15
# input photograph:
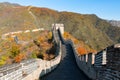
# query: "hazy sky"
106,9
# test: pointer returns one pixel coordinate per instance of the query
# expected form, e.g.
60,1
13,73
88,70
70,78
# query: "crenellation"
86,58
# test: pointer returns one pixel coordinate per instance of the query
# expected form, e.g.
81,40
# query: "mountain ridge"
5,4
94,31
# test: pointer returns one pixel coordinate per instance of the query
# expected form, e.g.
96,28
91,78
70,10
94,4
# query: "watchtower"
58,26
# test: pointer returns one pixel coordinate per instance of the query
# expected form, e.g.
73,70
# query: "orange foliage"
76,41
19,57
11,39
41,39
81,50
66,35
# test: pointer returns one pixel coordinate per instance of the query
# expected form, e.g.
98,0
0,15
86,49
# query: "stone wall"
105,65
44,67
85,62
110,70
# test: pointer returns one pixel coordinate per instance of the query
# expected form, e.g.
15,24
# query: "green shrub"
3,60
15,50
34,55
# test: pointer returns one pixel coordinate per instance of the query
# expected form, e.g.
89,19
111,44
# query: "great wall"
12,34
105,65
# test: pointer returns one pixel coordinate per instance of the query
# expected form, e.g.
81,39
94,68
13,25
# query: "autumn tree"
19,57
81,50
15,50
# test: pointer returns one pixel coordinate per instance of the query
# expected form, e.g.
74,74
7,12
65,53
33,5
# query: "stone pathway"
67,69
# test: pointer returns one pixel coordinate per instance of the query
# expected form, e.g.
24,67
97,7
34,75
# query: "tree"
19,57
81,50
3,60
15,50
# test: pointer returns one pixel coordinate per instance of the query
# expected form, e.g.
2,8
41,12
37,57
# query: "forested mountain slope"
95,32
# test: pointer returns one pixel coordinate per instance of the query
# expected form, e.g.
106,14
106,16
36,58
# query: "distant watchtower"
58,26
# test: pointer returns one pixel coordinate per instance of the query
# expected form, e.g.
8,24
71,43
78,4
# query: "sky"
105,9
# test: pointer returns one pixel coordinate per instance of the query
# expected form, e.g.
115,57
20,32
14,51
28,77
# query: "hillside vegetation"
93,31
80,46
40,46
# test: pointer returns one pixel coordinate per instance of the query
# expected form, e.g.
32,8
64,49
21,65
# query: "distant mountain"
7,4
114,23
95,32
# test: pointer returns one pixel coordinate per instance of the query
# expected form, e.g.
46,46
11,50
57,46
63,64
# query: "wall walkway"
67,69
